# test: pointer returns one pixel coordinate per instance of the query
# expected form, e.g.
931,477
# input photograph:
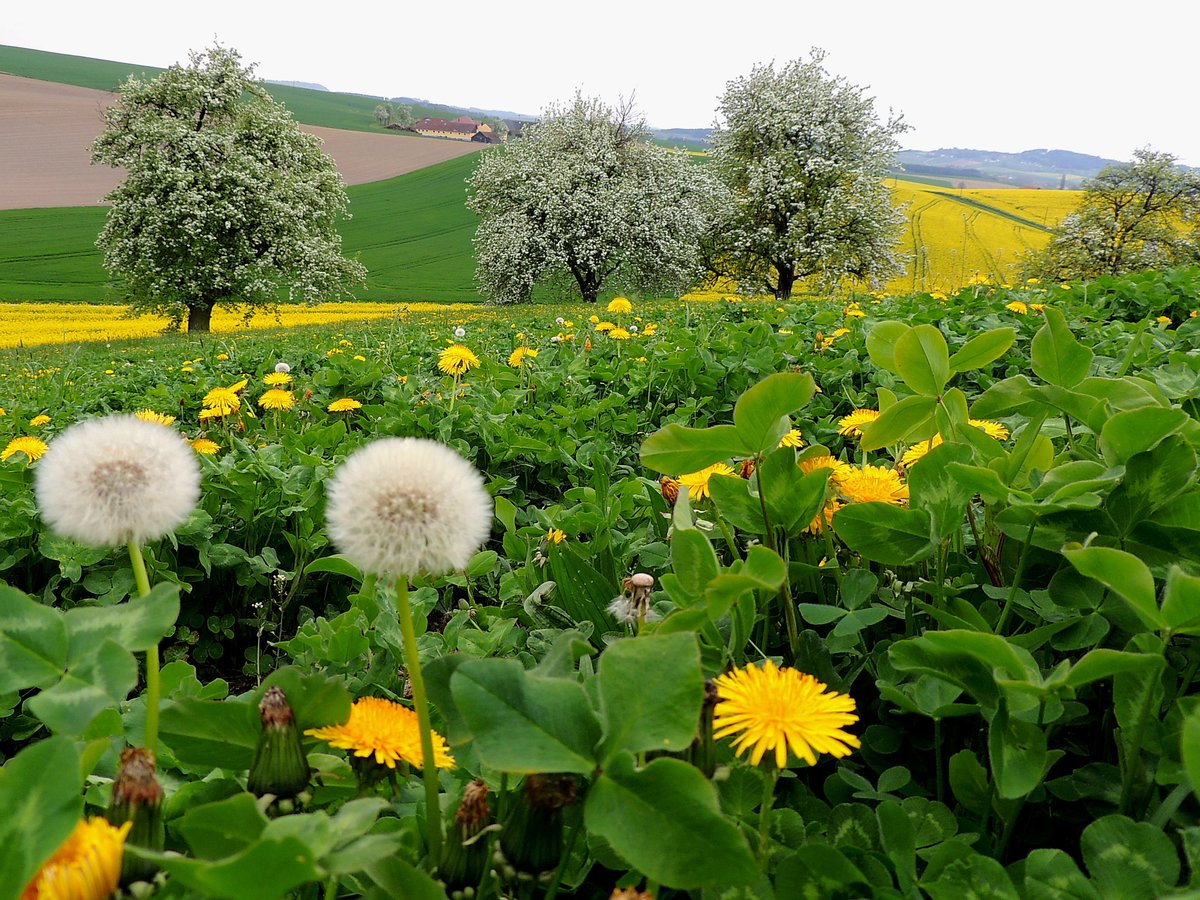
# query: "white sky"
1093,76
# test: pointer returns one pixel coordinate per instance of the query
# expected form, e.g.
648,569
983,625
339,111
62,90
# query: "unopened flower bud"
532,838
747,468
670,489
465,853
280,766
137,797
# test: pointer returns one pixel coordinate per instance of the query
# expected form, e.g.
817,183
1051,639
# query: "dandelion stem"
412,661
152,685
764,816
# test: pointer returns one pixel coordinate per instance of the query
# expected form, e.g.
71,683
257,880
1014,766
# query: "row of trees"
793,190
227,201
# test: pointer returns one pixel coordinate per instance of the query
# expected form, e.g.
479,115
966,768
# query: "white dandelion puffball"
108,481
408,506
282,368
460,332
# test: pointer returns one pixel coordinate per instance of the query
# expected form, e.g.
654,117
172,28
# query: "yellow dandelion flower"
277,379
214,413
992,429
517,358
792,439
1033,281
2,412
1066,286
32,448
384,730
205,446
359,357
1019,307
873,483
346,404
43,419
594,319
918,450
224,400
86,867
855,314
619,306
605,326
1037,307
223,357
853,423
650,329
555,536
149,415
1162,320
840,331
276,399
620,334
774,709
240,386
336,351
697,482
457,360
810,465
824,518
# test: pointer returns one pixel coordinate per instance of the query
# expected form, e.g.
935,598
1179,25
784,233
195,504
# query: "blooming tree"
804,155
1134,216
226,200
583,196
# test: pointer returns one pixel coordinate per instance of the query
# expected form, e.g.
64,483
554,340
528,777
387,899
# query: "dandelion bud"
670,490
465,854
747,469
532,839
137,798
280,766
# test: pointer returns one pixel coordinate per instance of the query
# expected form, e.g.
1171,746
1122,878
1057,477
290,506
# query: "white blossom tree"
1134,216
583,197
804,156
226,200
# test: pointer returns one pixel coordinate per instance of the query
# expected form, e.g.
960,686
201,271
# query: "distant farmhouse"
464,128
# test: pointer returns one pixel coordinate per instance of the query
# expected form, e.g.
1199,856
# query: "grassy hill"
413,233
353,112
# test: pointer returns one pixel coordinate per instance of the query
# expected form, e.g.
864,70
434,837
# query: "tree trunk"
787,280
199,318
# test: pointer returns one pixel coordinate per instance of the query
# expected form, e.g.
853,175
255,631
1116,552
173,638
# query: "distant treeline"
949,171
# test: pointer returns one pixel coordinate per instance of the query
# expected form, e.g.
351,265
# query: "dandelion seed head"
407,506
107,481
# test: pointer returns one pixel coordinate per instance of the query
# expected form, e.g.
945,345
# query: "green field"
353,112
413,233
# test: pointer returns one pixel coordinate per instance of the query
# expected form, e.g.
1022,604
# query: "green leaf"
757,412
1056,355
1129,860
665,821
1122,573
1189,748
317,700
892,535
983,349
736,505
899,842
923,359
819,870
1103,663
99,681
401,881
41,794
1018,754
267,870
217,830
937,491
793,499
137,624
337,565
664,717
33,642
209,733
881,343
973,876
1135,430
679,450
1181,603
693,560
979,480
1004,398
1053,875
912,415
525,723
1152,479
969,782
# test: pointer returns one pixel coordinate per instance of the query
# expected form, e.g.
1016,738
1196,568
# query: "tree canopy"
804,155
583,197
1134,216
226,200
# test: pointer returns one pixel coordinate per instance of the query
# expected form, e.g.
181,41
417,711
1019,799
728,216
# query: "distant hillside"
1029,168
307,85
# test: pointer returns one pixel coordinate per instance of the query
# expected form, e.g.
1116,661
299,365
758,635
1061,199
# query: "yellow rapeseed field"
30,324
952,236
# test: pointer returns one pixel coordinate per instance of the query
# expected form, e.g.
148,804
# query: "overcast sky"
1086,76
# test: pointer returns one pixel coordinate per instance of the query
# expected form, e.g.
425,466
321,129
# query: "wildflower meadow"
882,596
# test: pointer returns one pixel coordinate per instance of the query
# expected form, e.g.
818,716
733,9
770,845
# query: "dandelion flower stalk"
152,681
429,772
